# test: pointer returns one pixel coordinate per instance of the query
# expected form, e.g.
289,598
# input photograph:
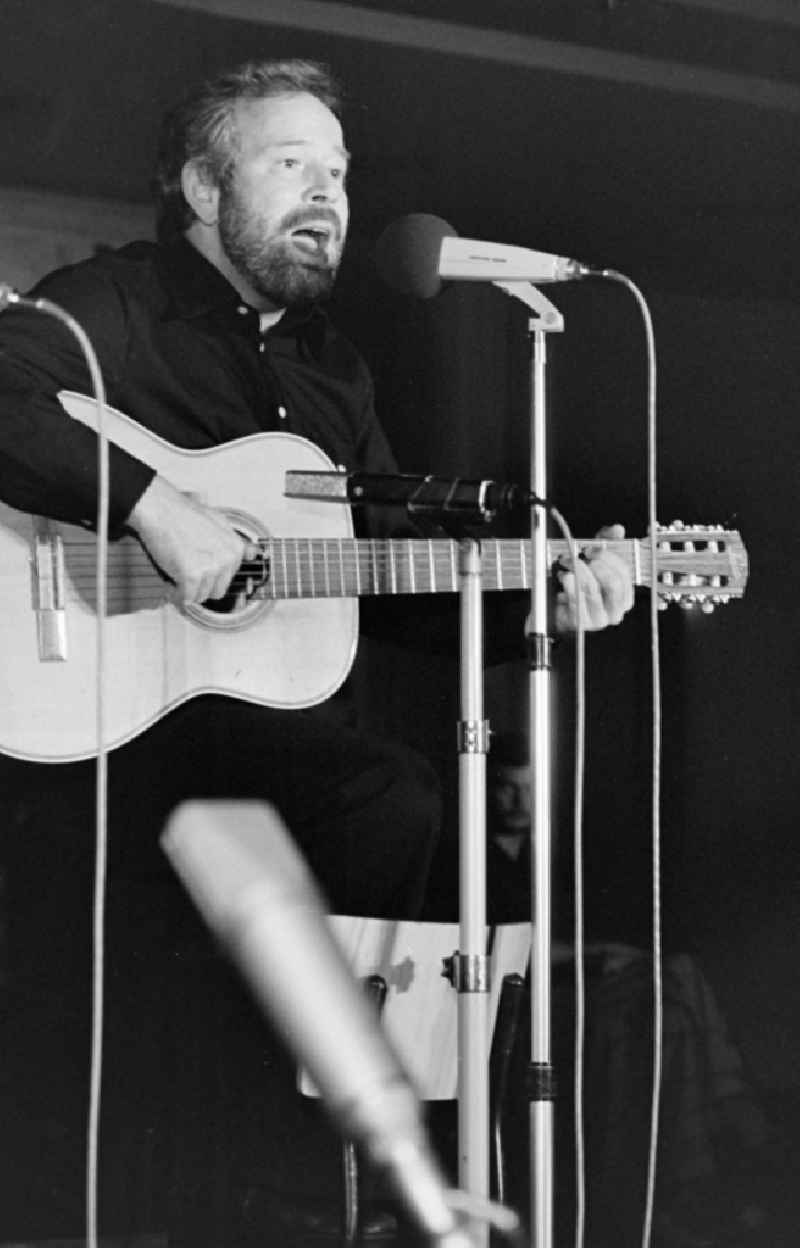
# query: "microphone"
416,252
256,893
418,494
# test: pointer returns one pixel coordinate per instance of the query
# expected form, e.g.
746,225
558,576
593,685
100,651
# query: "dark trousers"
184,1049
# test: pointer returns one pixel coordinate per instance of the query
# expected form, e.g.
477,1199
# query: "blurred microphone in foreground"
256,893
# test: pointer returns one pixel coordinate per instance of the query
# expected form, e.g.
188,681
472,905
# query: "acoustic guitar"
286,634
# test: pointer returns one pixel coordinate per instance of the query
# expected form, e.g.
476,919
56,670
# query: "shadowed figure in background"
716,1148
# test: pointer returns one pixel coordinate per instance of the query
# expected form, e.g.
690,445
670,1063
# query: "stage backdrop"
41,231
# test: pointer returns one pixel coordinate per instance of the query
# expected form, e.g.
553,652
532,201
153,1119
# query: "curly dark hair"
202,127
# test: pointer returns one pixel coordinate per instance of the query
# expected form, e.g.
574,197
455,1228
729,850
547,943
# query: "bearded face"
282,210
293,261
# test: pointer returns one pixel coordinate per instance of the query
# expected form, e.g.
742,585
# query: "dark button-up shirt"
182,355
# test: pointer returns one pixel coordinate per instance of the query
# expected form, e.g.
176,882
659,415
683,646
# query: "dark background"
659,139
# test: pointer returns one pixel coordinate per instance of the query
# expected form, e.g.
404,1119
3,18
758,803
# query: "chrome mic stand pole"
541,1089
470,965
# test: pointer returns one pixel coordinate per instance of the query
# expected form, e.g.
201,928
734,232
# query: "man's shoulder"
133,265
138,256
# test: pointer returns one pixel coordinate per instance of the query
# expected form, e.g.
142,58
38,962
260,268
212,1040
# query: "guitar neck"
354,567
692,564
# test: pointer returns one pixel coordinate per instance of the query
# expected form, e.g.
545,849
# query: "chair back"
420,1008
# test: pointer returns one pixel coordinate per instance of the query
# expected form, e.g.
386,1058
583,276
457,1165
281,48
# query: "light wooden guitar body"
290,653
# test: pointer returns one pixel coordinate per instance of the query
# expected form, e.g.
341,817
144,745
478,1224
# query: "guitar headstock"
699,565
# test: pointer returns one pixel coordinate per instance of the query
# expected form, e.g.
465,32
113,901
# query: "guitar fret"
358,568
523,564
374,569
326,566
453,566
268,588
411,568
637,564
271,586
310,554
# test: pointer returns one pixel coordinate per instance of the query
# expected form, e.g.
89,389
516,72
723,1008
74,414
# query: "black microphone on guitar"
420,495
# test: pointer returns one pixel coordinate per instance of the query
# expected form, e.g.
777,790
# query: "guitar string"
363,565
365,570
320,560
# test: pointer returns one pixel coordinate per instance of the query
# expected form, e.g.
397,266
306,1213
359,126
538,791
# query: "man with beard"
212,334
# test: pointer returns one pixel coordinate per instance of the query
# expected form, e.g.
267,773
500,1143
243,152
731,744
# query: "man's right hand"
194,545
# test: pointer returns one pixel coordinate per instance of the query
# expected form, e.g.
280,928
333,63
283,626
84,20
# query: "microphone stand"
470,965
540,1083
468,968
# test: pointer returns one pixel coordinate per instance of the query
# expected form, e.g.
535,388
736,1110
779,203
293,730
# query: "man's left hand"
605,585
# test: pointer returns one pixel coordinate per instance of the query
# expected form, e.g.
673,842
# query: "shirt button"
242,310
262,346
282,412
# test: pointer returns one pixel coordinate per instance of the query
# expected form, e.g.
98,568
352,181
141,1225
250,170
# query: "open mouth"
312,244
318,235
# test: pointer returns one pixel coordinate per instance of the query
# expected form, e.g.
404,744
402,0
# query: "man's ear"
201,193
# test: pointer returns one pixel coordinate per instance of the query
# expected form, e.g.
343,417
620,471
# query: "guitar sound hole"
246,584
246,590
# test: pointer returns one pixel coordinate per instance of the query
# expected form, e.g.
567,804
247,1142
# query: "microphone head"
407,254
233,856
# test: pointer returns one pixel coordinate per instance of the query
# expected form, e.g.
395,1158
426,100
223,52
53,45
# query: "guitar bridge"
48,593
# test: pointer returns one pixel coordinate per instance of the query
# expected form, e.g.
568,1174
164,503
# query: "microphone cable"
579,765
9,297
656,736
579,774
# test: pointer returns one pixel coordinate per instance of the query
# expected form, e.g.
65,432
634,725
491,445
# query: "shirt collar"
197,287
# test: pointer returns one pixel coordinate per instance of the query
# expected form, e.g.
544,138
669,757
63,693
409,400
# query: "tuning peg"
707,607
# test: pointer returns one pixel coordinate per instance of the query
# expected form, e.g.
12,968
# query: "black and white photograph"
399,618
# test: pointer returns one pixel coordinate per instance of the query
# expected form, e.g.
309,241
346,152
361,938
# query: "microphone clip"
444,499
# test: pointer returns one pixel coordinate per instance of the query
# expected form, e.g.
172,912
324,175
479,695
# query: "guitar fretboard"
335,568
703,565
